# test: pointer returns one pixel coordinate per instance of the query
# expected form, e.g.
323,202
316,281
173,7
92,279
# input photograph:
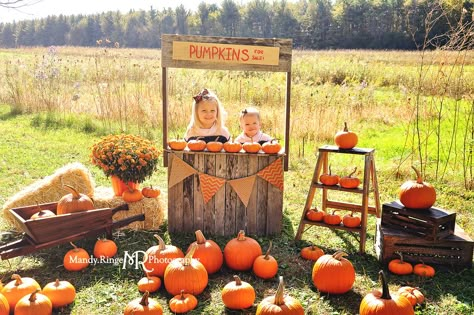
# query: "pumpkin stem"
330,173
279,298
241,235
161,243
182,297
56,283
339,254
189,256
353,172
200,239
401,257
17,279
74,192
268,251
74,245
345,127
33,295
385,290
419,180
144,300
237,280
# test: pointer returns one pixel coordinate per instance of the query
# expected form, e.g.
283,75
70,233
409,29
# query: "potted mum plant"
127,159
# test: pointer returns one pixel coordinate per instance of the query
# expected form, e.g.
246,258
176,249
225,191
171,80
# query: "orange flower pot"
119,185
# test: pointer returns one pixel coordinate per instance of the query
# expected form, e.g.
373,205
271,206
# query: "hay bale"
51,188
152,208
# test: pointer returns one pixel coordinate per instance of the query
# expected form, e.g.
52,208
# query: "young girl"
250,124
207,119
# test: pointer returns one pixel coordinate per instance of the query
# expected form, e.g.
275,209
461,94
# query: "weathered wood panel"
231,197
252,205
262,198
240,171
175,200
188,198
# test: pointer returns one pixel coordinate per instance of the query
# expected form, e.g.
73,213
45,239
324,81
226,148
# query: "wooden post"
164,95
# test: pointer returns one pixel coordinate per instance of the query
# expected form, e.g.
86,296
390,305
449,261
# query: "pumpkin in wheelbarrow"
74,202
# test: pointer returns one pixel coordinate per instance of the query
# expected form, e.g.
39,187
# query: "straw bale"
51,188
153,208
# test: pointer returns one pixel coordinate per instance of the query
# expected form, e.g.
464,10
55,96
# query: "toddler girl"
250,124
207,119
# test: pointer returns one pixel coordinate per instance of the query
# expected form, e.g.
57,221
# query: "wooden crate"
455,251
431,224
224,214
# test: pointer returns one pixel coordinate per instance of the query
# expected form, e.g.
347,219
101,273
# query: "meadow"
414,108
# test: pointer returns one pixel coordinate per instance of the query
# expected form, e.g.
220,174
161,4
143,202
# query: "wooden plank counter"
224,214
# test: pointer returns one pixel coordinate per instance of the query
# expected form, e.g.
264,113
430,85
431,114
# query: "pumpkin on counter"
214,146
271,147
329,179
417,194
333,274
232,147
251,147
60,293
74,202
18,288
197,145
177,144
345,139
34,303
280,303
143,306
349,181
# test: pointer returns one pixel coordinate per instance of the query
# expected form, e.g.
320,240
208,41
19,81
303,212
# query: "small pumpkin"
412,294
417,194
238,294
383,303
333,274
76,259
196,145
214,146
208,253
132,195
399,266
346,139
4,306
315,215
60,293
143,306
332,219
34,303
271,147
280,303
186,274
18,288
157,257
42,214
149,283
265,266
241,252
183,303
423,270
105,248
349,181
74,202
150,192
232,147
329,179
349,220
177,144
251,147
311,252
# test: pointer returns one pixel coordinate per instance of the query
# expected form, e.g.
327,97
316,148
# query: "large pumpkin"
241,252
18,288
417,194
186,274
345,139
34,304
333,274
208,253
60,293
382,303
157,257
280,303
143,306
238,294
265,266
74,202
4,306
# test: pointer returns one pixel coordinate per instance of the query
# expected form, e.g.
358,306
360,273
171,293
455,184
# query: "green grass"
31,148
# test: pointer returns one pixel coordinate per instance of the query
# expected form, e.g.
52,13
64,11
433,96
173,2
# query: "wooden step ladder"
370,176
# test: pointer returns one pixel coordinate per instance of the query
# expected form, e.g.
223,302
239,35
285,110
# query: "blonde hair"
207,96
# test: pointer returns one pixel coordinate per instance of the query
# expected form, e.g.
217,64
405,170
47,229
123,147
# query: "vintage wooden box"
455,251
225,213
431,224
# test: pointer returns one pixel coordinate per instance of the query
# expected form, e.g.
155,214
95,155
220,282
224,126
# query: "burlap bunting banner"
179,171
243,187
273,174
210,185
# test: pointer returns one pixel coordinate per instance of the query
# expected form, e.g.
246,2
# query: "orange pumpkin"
18,288
345,139
417,194
157,257
150,192
332,219
183,303
232,147
271,147
241,252
214,146
382,303
238,294
76,259
34,303
74,202
186,274
311,252
315,215
349,181
349,220
105,248
251,147
265,266
280,303
132,195
399,266
60,293
143,306
177,144
423,270
208,253
4,306
412,294
196,145
149,283
333,274
329,179
42,214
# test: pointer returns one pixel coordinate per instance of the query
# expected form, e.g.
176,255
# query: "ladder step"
349,206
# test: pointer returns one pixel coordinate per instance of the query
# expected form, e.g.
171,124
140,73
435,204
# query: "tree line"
312,24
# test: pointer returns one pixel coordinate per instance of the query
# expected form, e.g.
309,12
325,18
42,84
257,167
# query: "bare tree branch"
16,4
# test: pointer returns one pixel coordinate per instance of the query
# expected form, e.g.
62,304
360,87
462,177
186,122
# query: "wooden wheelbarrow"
50,231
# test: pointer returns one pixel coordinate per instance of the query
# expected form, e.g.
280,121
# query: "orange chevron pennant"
273,173
210,185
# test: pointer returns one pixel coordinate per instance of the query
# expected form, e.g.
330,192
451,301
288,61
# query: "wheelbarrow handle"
121,207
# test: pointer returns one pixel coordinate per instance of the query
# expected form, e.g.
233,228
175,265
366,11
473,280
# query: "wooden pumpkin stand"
244,198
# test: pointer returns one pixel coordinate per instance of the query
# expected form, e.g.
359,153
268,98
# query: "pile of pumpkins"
270,147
